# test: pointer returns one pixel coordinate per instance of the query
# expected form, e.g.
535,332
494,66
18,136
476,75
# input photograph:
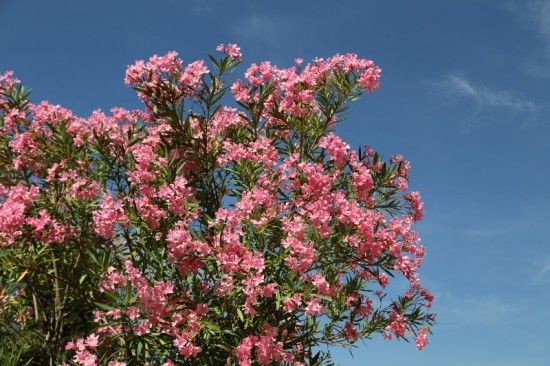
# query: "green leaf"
103,306
22,275
214,61
211,327
240,314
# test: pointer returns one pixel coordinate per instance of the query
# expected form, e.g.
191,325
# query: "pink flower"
110,213
47,229
83,189
135,72
321,284
115,313
314,307
232,50
186,347
243,351
428,296
224,119
363,183
85,358
132,312
398,325
260,150
240,91
301,256
292,303
370,78
268,350
193,73
112,280
143,328
46,113
337,149
383,279
350,333
12,118
92,341
14,201
149,212
422,338
225,286
416,203
269,290
7,81
98,315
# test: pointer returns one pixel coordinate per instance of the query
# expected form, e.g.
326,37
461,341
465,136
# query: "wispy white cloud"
496,363
539,10
199,7
534,15
487,232
503,228
202,8
458,311
263,28
538,13
485,97
485,101
544,270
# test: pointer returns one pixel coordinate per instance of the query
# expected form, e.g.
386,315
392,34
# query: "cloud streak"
487,102
540,11
544,270
462,311
505,227
485,97
534,15
263,28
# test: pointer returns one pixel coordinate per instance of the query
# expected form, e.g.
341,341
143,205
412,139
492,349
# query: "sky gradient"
464,96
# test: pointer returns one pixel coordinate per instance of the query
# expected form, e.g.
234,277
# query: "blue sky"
464,96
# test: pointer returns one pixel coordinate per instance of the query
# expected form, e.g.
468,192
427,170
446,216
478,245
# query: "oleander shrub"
225,223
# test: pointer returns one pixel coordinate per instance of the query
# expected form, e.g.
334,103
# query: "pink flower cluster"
267,349
46,229
84,348
14,202
295,90
165,78
231,50
111,213
7,81
259,151
158,309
